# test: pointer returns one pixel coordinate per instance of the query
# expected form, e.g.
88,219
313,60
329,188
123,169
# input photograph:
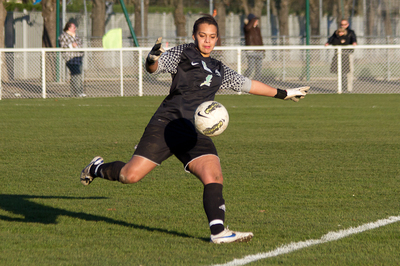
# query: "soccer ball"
211,118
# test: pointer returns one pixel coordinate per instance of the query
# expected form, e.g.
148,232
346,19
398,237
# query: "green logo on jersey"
207,82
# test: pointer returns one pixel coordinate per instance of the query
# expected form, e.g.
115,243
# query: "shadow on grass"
38,213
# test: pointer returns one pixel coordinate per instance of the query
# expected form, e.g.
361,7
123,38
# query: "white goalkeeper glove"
155,52
296,94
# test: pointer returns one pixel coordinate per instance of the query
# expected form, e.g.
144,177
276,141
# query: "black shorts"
179,138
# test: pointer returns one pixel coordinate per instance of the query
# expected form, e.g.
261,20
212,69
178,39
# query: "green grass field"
293,172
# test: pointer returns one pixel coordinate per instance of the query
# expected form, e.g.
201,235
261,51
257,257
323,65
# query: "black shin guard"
109,171
214,206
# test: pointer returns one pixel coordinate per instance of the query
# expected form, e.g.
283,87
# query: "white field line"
331,236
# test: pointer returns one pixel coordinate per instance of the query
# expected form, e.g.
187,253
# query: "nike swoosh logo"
199,114
232,235
194,63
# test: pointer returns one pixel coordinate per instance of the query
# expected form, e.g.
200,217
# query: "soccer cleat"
86,178
228,236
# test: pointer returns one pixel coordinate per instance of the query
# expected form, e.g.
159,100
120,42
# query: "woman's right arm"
153,56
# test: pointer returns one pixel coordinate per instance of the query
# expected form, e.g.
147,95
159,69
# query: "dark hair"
206,19
251,16
68,25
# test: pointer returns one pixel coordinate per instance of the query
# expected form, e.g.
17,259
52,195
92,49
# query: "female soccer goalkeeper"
196,77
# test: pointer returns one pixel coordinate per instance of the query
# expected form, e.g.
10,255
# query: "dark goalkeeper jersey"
195,79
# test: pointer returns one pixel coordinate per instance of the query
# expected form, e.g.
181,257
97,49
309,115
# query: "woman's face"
205,38
72,28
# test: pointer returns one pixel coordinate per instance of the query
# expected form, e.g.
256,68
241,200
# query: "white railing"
41,73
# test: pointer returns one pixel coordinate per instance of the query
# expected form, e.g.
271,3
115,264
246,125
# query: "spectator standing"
351,35
69,40
342,37
252,33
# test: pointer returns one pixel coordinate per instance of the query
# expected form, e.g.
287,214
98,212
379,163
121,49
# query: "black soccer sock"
109,171
214,206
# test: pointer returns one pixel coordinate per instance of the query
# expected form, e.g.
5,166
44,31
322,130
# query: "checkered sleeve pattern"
232,80
65,40
168,61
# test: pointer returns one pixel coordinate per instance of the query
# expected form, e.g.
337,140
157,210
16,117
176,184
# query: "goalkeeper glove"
296,94
155,52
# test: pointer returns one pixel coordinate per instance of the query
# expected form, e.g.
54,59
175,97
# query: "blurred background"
30,24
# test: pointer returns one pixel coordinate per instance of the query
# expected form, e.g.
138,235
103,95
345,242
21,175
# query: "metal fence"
42,73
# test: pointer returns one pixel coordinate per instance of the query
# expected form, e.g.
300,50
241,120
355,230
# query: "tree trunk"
49,36
245,6
386,16
180,20
343,12
334,7
314,17
274,19
283,15
49,23
371,12
146,12
138,17
221,19
256,9
98,22
3,14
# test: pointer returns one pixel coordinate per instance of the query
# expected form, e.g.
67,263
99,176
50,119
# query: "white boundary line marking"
331,236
